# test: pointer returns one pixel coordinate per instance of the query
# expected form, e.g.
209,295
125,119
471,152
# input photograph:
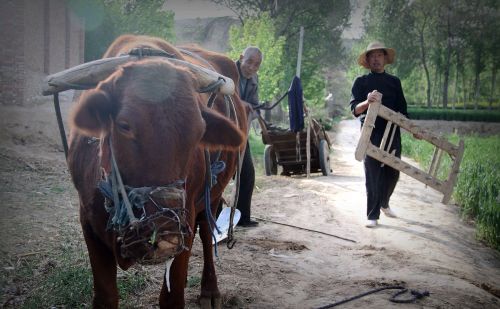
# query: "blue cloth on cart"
296,105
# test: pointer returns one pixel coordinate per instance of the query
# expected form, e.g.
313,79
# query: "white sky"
184,9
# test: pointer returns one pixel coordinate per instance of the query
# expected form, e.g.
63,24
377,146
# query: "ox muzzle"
150,222
157,230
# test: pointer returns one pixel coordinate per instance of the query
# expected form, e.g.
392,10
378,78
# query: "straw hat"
390,54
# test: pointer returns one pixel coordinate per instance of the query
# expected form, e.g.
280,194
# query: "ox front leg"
103,266
210,296
174,297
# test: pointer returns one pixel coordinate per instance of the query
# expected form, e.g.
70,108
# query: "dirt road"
275,266
427,248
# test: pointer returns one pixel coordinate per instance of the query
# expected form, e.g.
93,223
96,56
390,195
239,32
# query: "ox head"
151,117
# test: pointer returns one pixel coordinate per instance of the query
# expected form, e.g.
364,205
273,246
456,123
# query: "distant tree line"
448,51
105,20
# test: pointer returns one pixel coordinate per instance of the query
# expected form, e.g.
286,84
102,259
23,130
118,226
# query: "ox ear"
220,132
93,113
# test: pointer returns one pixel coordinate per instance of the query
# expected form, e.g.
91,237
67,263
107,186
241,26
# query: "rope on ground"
394,298
303,228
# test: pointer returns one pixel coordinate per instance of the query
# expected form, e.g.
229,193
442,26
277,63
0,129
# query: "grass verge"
477,191
62,278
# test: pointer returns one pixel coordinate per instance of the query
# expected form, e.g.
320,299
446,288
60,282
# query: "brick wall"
11,52
39,37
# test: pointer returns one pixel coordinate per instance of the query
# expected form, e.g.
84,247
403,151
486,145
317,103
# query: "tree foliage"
107,19
323,22
260,32
447,50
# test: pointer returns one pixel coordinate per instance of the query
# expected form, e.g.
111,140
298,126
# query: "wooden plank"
433,161
438,163
404,167
290,158
455,169
366,148
366,131
91,73
386,133
288,141
413,128
388,147
86,74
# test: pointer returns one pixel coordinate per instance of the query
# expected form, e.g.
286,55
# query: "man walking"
380,180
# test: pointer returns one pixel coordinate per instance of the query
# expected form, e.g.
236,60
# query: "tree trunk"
464,87
493,81
424,63
455,91
437,82
447,63
477,81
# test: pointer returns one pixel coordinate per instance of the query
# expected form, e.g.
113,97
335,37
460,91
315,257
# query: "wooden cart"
288,149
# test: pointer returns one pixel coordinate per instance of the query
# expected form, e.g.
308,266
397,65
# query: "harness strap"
149,52
230,233
212,87
116,172
215,167
60,123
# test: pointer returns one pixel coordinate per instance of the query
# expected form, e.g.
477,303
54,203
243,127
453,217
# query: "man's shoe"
371,223
249,223
389,213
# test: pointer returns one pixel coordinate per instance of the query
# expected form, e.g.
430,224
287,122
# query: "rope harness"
140,237
213,168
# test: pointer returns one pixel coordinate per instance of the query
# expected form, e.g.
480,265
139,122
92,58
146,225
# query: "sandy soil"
271,266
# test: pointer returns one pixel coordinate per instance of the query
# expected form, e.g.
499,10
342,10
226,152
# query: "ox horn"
88,75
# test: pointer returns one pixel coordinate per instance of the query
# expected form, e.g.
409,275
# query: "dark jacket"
392,97
248,88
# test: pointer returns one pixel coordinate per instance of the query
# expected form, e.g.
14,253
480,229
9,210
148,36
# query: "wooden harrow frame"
366,148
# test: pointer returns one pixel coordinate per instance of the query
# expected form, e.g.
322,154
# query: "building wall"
11,52
40,37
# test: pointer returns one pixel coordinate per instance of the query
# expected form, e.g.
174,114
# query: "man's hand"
373,97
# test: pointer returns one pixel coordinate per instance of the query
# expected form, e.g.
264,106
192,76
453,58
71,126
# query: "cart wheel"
324,157
270,162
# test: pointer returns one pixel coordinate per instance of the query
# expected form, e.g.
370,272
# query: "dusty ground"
272,266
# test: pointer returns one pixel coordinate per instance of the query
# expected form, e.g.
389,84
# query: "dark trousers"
380,184
247,182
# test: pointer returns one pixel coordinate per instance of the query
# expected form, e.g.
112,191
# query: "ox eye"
123,126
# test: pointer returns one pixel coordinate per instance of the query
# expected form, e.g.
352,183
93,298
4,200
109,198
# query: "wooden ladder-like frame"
365,147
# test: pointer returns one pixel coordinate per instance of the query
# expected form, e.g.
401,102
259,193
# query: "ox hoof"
210,303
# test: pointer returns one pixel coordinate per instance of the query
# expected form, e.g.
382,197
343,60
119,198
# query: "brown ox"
150,114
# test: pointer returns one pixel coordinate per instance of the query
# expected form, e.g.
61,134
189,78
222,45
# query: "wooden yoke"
366,148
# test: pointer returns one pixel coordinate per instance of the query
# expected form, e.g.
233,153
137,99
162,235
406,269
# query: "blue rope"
118,212
215,169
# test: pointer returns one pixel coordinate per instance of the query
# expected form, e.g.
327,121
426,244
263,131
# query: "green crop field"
477,191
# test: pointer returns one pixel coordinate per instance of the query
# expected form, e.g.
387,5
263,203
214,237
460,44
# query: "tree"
323,21
105,20
260,32
438,37
482,25
423,22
